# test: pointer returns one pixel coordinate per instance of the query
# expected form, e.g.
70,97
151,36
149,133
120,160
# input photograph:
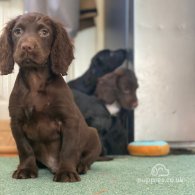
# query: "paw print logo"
159,170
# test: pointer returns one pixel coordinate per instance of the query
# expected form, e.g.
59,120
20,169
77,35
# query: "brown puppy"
46,124
118,86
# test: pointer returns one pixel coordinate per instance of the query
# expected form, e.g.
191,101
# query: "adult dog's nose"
28,47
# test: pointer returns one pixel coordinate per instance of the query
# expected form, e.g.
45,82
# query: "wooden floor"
7,143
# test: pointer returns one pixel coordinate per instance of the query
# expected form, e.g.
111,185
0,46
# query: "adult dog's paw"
24,174
66,177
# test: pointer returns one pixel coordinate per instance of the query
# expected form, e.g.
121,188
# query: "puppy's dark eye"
18,32
44,32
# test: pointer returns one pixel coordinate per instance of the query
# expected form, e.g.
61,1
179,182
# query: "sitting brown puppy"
117,90
47,125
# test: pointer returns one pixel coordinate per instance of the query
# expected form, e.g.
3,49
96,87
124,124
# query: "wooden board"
7,143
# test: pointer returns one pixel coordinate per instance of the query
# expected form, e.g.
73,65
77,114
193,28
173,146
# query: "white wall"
85,48
165,66
87,43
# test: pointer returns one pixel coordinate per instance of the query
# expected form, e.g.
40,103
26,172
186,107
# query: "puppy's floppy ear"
6,49
62,50
106,89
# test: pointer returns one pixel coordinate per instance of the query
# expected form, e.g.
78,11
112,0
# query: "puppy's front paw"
24,174
66,177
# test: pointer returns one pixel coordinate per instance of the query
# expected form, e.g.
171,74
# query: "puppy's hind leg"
91,151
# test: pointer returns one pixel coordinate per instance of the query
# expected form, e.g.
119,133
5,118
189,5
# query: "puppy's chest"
39,125
37,97
42,129
37,101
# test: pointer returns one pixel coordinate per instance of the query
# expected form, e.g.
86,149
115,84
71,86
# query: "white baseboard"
182,144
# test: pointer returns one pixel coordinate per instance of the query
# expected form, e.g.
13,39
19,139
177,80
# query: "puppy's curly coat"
46,123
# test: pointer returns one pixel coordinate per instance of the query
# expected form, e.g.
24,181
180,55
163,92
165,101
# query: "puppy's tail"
104,158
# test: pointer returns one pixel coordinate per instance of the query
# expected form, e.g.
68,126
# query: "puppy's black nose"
28,47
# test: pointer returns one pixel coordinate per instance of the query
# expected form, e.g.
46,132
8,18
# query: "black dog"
102,63
95,114
94,111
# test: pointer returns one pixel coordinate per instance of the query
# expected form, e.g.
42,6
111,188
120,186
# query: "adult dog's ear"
62,50
106,89
6,49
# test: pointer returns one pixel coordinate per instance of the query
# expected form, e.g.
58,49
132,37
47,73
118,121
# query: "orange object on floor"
148,148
